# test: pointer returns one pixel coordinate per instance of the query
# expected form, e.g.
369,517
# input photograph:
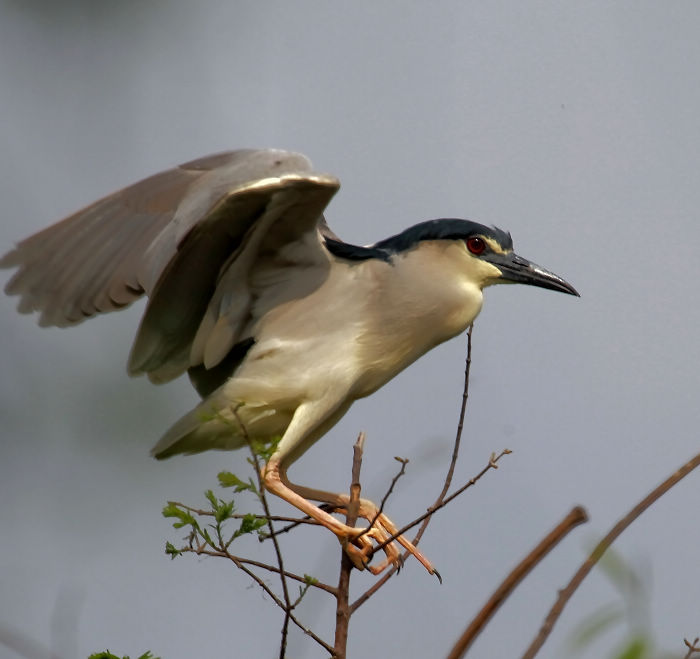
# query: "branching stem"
575,517
600,549
446,485
278,552
342,608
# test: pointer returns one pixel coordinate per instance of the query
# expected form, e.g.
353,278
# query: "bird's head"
484,253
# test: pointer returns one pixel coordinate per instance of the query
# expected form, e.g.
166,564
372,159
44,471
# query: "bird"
279,323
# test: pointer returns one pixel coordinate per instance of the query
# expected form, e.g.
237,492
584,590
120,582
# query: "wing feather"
58,264
189,238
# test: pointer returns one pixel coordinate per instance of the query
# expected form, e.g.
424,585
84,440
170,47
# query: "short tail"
202,429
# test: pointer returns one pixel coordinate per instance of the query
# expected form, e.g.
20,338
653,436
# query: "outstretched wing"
188,238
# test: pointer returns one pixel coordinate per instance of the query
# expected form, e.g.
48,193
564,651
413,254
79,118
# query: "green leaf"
637,648
207,538
212,499
308,579
223,511
249,524
265,449
171,510
227,479
171,550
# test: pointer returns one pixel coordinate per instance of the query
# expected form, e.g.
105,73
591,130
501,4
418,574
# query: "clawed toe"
358,544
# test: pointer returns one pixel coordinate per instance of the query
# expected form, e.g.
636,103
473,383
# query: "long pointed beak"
518,270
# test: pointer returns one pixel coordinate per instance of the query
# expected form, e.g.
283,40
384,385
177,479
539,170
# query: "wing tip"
11,259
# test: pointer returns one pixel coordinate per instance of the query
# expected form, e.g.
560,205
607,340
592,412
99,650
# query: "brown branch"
392,485
240,564
492,464
382,503
288,612
342,593
575,517
223,553
296,521
600,549
355,487
446,486
460,422
692,647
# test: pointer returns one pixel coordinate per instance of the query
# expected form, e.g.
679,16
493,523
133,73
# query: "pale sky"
573,125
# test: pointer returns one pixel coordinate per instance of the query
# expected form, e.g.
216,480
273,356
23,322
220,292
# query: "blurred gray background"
574,125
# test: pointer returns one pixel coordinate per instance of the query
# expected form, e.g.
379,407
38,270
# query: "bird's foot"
360,548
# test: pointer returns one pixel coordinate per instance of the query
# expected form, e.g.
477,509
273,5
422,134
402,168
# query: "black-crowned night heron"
280,325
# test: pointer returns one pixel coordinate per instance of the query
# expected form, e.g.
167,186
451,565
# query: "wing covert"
203,297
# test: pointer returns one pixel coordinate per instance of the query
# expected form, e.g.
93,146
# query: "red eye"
476,245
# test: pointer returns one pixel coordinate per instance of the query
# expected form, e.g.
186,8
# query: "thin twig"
692,647
288,613
600,549
297,521
458,439
446,486
342,594
278,552
220,553
492,464
462,414
385,498
274,518
575,517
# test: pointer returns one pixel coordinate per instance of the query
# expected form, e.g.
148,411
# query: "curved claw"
358,543
388,527
359,547
357,556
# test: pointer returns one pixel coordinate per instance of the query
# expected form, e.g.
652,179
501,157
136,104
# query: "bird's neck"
412,308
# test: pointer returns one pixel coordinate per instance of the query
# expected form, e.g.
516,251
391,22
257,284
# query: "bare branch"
294,522
220,553
288,613
492,464
342,608
385,498
460,424
600,549
692,647
355,487
448,478
575,517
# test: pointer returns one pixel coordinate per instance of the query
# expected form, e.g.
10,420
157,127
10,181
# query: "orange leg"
347,535
370,511
276,482
310,421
